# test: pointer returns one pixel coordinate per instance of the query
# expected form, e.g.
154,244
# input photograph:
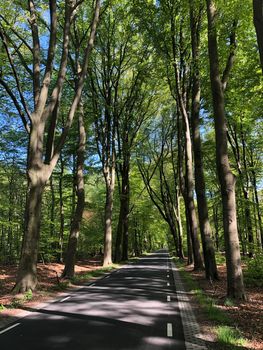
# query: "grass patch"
16,304
95,273
229,336
60,286
28,295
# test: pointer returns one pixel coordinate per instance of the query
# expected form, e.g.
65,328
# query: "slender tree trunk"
180,227
254,181
205,228
126,208
61,210
235,285
108,224
190,258
52,213
69,269
215,218
187,185
189,180
119,235
246,196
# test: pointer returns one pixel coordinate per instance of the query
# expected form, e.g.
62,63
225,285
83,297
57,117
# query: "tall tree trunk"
37,178
189,194
119,235
244,183
126,207
205,228
246,196
69,269
107,260
183,188
215,219
179,225
122,238
235,285
187,185
52,214
61,209
254,182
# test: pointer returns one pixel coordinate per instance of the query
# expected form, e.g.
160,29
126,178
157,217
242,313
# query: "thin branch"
36,50
17,50
17,34
231,57
12,96
3,38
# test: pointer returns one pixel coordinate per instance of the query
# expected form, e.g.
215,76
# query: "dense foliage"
137,111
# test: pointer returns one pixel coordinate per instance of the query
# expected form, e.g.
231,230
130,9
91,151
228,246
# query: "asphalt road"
134,308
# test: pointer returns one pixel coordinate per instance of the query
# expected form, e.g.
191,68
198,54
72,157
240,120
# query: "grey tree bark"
235,285
205,228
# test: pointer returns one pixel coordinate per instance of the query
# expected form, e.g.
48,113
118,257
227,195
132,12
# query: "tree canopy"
129,125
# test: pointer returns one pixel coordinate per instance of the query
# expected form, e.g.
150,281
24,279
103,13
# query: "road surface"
133,308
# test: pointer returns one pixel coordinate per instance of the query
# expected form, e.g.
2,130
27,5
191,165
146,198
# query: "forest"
128,126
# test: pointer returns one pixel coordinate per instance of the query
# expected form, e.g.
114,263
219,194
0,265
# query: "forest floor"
246,316
49,286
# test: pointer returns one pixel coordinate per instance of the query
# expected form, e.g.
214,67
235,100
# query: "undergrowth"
94,273
229,336
253,272
226,334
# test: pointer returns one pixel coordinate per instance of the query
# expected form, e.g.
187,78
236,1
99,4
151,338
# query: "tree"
41,161
235,285
196,10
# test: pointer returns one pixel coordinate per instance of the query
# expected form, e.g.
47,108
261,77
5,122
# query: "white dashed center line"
8,329
168,298
169,330
62,300
168,284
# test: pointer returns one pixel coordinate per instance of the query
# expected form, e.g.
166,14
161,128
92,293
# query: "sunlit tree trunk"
235,285
205,228
69,269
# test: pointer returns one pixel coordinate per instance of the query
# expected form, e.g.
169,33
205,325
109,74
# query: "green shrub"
61,286
28,295
254,271
229,336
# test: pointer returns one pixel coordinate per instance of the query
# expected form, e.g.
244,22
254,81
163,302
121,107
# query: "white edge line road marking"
92,285
107,276
169,330
168,284
8,329
62,300
168,298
